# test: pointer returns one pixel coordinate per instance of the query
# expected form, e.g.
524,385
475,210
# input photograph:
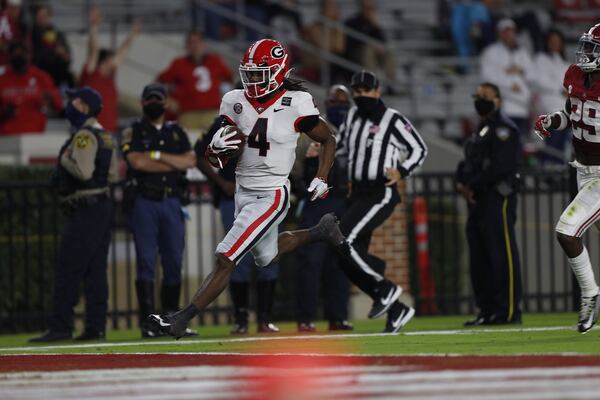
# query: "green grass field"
539,334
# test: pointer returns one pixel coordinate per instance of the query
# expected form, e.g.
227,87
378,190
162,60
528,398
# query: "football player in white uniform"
271,111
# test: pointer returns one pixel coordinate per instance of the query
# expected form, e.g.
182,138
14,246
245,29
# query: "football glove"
542,123
216,160
319,189
222,144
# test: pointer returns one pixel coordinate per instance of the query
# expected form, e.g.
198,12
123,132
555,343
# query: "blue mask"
75,117
337,114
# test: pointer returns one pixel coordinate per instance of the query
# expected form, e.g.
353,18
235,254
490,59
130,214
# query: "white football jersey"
271,130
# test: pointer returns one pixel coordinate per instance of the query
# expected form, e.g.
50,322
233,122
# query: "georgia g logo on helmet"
277,52
263,68
588,50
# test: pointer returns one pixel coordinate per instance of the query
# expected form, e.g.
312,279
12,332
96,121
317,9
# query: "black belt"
83,201
158,193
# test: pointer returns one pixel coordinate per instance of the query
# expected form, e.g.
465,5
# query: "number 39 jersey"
585,111
271,130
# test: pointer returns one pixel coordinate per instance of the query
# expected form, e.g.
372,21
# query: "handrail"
302,44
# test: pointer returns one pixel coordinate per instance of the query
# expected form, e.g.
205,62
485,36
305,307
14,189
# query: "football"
239,136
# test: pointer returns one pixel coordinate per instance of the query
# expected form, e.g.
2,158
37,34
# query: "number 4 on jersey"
258,137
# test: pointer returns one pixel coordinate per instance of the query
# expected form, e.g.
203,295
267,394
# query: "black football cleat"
168,325
387,296
328,229
51,336
398,316
588,313
340,326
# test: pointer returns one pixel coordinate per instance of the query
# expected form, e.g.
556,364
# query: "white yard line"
273,338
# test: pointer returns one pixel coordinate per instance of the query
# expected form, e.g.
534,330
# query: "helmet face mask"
263,68
588,50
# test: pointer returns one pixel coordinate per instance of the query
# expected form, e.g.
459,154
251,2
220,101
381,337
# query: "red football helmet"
588,52
264,67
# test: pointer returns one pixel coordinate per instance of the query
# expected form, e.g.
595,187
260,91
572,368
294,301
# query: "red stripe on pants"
253,226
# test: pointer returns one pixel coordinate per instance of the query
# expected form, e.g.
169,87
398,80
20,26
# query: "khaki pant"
198,120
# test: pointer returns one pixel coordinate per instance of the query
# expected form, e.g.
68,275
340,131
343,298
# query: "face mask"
483,106
75,117
154,110
18,63
366,105
336,114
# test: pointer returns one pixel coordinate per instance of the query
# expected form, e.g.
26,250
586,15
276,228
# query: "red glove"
216,160
542,123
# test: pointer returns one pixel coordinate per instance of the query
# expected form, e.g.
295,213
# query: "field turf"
539,334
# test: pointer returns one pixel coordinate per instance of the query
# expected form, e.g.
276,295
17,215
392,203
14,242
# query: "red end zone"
63,362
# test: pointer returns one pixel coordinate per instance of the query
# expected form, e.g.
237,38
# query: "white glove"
221,144
318,187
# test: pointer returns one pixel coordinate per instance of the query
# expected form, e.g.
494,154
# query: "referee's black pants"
494,258
368,207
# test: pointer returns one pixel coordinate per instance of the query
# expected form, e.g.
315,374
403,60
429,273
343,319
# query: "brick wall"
390,242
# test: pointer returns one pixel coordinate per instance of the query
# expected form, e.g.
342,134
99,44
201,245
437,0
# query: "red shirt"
105,85
585,111
196,86
29,93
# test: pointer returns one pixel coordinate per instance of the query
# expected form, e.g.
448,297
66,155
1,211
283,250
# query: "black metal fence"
30,226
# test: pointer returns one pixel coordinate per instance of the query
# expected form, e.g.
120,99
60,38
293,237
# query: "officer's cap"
154,89
364,79
89,96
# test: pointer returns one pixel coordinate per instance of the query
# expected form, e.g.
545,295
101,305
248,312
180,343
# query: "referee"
382,147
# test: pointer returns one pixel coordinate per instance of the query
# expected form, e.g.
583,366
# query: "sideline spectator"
510,67
26,92
318,262
324,36
266,277
467,24
51,51
196,82
12,26
218,26
374,57
550,66
100,69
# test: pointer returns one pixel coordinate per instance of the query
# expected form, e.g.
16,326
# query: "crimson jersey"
196,87
585,111
29,94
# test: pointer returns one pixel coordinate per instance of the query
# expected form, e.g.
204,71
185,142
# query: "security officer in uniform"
266,278
487,178
87,162
158,153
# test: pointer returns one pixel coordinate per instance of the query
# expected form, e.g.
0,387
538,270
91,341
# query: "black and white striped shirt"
384,139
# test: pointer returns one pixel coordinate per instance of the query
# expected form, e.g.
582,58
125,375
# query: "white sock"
582,268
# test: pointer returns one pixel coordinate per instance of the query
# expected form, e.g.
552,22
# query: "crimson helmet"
264,67
588,51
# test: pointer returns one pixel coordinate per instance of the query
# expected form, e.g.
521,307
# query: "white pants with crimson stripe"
584,210
258,214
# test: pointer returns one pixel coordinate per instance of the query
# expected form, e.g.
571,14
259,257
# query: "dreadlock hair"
293,84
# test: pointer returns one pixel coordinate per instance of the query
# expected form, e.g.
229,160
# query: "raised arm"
123,49
91,61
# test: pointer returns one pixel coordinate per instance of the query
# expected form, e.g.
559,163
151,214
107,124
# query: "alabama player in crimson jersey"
582,114
271,110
